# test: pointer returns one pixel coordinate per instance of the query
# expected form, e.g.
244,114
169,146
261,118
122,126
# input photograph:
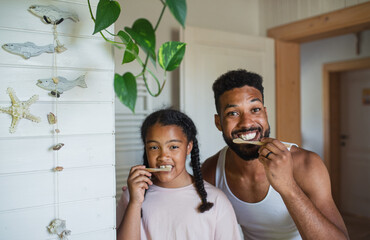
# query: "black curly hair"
235,79
167,117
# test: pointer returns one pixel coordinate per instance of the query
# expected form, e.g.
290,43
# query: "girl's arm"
138,181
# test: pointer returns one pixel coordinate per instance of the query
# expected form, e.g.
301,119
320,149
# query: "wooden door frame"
332,116
287,58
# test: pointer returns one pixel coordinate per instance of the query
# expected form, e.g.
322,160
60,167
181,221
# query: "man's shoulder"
304,159
307,165
209,168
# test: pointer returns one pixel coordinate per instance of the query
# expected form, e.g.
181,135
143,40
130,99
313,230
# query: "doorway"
349,176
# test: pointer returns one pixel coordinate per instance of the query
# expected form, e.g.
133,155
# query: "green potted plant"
141,36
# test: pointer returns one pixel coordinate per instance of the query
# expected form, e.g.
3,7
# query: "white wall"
313,56
274,13
32,194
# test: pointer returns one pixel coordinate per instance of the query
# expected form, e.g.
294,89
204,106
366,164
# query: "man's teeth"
248,136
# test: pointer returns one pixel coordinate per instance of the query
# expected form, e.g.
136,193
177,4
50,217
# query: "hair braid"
199,184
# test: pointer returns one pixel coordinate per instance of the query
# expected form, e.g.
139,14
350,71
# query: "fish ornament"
60,84
19,110
28,49
51,14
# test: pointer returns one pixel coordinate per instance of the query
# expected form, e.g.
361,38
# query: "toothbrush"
161,169
241,141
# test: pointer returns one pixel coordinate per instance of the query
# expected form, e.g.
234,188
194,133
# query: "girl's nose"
163,155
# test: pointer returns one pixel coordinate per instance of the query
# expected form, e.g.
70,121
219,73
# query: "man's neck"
238,166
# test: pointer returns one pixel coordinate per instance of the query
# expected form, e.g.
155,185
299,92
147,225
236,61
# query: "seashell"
57,130
58,169
58,146
55,80
52,118
59,227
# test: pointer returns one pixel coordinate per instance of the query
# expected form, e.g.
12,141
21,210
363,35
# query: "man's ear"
266,112
189,148
218,122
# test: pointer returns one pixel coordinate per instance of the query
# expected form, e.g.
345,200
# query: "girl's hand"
138,181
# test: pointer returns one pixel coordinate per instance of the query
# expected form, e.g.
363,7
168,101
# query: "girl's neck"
181,181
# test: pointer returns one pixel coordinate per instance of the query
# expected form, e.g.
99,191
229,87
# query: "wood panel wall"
32,194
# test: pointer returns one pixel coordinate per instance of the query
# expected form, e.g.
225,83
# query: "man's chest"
248,190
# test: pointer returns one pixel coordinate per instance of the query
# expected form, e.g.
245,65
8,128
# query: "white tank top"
267,219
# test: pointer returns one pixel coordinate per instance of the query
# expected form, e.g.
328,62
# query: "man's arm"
311,204
303,182
209,169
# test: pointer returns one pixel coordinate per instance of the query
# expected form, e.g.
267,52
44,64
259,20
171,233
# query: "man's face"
242,115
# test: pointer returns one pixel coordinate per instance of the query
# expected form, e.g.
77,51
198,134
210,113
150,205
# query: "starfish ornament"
19,110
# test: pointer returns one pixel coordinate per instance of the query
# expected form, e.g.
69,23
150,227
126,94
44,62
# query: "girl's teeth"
165,166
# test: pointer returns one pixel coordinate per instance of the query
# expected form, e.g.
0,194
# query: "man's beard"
246,152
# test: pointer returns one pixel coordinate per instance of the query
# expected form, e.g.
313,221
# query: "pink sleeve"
227,226
121,206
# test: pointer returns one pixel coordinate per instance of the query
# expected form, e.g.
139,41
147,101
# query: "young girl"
172,204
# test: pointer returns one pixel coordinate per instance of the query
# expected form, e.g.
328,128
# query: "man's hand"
278,163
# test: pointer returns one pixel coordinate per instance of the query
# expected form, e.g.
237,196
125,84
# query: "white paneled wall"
129,147
31,193
273,13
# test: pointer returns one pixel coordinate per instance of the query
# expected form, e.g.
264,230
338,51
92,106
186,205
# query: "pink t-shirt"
171,213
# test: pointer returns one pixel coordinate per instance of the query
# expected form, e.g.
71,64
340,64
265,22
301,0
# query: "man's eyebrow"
256,99
230,106
235,105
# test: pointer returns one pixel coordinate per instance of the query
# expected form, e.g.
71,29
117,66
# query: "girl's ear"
189,148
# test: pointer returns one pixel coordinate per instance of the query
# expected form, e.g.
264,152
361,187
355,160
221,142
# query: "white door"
355,152
210,53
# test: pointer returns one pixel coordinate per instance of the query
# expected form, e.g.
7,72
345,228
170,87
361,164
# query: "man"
276,193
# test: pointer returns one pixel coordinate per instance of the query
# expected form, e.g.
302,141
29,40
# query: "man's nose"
245,120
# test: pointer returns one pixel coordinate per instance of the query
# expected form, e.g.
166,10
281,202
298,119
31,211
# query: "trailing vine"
141,35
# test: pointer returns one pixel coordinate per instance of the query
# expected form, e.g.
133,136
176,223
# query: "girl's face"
168,145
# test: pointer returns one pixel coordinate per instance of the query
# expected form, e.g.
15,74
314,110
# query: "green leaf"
143,33
126,89
128,56
178,10
125,38
107,13
170,55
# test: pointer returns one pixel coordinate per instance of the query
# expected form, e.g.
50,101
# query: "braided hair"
167,117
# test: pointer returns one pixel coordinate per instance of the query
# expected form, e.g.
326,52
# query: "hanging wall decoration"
53,15
28,49
19,110
58,227
57,85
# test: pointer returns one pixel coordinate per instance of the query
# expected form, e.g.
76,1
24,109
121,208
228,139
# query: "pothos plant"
140,36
